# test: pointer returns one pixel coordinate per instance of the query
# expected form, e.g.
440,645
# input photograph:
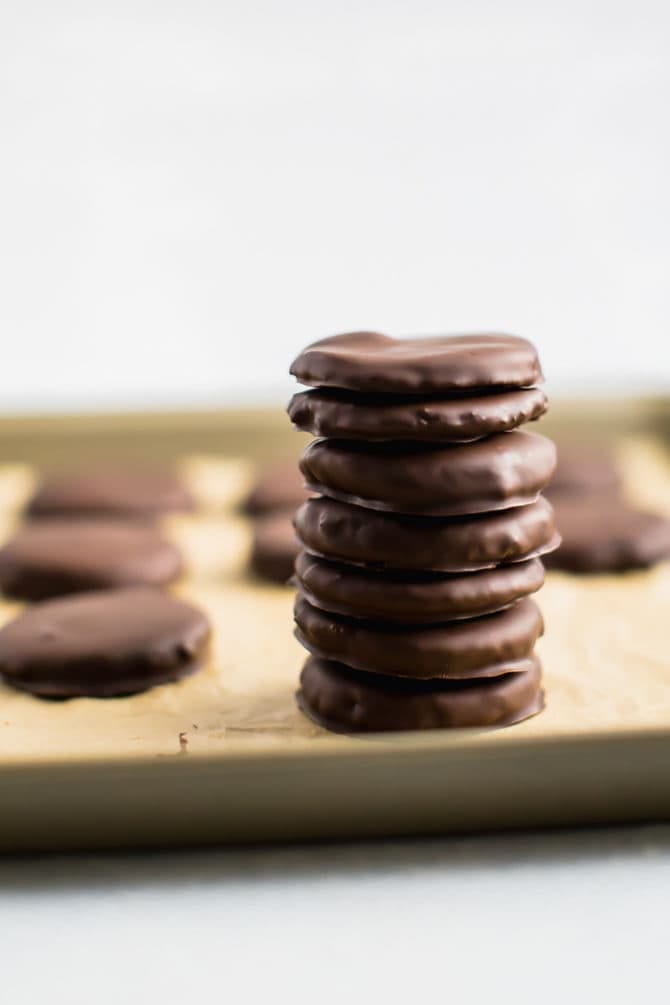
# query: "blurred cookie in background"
54,557
127,492
274,547
581,469
603,534
279,486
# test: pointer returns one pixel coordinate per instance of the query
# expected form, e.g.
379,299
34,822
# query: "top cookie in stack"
422,546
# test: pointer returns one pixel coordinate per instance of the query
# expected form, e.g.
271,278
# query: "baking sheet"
607,677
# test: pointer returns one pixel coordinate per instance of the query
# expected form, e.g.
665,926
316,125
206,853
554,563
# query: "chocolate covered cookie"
274,547
422,546
50,558
377,364
413,597
581,469
103,644
346,533
122,492
344,701
496,473
480,647
277,487
602,535
348,416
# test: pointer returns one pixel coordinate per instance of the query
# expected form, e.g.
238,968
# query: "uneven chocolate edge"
534,707
474,508
379,565
492,670
342,729
123,686
468,431
411,617
372,585
315,367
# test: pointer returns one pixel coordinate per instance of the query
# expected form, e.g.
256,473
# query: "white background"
190,192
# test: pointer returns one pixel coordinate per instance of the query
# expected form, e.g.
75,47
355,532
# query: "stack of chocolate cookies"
422,543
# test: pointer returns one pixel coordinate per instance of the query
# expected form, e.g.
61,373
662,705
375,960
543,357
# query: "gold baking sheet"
225,754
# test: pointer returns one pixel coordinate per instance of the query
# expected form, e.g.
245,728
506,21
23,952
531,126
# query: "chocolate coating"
351,534
274,547
603,535
277,487
345,415
492,474
111,492
581,469
51,558
413,598
341,700
378,364
479,647
104,644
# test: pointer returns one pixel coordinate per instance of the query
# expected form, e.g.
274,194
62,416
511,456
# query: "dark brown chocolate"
51,558
110,492
413,598
278,487
479,647
377,364
274,547
351,534
345,415
497,473
601,534
581,469
341,700
103,644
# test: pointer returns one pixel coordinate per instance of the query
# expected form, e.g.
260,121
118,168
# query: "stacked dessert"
421,546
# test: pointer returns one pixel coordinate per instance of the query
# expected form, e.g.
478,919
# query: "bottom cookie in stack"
385,655
344,700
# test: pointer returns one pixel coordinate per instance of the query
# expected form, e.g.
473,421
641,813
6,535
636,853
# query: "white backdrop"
192,191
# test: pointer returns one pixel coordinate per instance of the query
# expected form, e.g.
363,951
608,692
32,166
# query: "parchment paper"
605,652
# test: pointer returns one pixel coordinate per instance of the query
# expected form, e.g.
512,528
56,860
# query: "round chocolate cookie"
345,415
479,647
274,547
104,644
582,469
351,534
413,598
497,473
50,558
112,492
342,700
377,364
278,487
602,535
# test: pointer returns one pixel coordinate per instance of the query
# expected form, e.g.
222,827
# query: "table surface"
551,917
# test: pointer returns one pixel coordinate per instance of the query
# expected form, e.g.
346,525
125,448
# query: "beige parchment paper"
605,650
